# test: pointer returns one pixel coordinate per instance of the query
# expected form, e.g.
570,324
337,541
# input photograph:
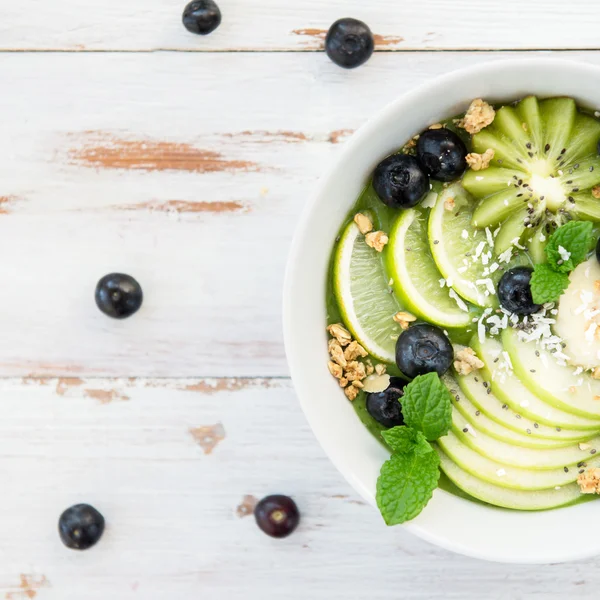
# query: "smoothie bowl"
442,311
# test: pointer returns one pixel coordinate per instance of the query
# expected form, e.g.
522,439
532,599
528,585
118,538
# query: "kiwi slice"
545,165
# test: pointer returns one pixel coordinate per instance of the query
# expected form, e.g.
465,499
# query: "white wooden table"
128,144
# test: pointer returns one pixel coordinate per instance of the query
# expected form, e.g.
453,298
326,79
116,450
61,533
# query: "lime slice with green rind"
416,278
364,296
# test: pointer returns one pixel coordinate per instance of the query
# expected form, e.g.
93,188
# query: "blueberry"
277,515
80,527
118,295
384,406
442,154
349,43
423,349
201,16
514,291
598,249
400,182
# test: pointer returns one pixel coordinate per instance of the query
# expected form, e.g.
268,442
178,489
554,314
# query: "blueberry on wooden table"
201,16
349,43
118,295
80,527
277,515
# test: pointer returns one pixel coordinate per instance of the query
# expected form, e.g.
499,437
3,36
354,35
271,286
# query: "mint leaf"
406,440
547,284
427,406
573,238
405,485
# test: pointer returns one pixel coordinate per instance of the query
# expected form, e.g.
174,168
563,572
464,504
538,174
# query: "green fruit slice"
504,497
477,388
416,278
462,255
549,150
363,295
511,392
506,475
548,379
519,456
508,428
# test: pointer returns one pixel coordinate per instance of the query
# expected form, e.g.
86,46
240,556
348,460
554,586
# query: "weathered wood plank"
188,172
177,515
273,25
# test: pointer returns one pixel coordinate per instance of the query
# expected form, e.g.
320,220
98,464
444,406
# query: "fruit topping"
514,291
349,43
277,515
385,406
442,154
479,162
400,182
423,349
118,295
201,16
80,527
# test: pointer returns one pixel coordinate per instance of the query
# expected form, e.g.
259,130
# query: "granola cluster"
596,191
479,115
404,319
479,162
589,481
466,361
375,239
345,364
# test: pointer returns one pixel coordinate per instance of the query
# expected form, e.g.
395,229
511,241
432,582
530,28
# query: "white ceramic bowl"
451,522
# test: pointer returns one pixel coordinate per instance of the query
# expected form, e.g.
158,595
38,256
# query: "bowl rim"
290,324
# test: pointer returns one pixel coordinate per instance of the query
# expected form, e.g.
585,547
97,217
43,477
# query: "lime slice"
463,254
416,277
363,295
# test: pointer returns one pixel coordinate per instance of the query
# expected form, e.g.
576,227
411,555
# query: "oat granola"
377,240
589,481
478,116
363,222
479,162
466,361
596,191
404,319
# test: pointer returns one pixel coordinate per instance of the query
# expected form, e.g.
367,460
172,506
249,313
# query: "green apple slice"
474,414
556,383
416,279
363,295
506,475
476,387
518,456
505,497
509,389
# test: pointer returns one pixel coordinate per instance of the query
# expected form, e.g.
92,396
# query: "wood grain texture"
187,171
276,25
177,516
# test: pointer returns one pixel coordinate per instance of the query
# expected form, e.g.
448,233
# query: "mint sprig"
567,247
427,406
405,485
407,480
547,285
574,238
405,439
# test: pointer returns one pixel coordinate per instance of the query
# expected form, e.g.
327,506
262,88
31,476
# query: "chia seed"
465,430
536,425
436,241
575,189
579,465
504,406
477,413
528,431
593,451
537,352
547,147
581,471
563,150
485,384
489,391
532,370
476,380
528,145
558,429
566,469
518,416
